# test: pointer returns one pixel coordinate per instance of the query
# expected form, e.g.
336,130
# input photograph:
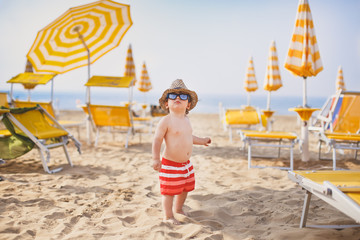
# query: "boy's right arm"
158,139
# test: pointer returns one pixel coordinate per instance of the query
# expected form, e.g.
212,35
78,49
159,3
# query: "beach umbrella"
272,76
80,36
144,85
250,83
340,84
303,58
130,65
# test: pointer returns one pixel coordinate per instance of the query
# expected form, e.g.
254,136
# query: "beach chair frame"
334,140
122,124
273,139
329,193
43,147
240,123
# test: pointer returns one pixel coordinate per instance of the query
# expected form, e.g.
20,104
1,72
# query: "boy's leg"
167,202
179,202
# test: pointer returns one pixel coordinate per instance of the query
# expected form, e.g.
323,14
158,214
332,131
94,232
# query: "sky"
206,43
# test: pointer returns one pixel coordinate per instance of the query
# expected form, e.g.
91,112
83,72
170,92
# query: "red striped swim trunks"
176,178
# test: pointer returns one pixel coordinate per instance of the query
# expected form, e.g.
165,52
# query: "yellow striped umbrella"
80,36
340,84
250,83
130,65
272,77
144,85
303,57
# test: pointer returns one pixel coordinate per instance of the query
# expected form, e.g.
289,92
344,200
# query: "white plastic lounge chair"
340,189
273,139
338,124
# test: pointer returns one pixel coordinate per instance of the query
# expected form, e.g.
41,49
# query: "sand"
113,193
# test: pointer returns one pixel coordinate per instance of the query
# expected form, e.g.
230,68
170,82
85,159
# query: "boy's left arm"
201,141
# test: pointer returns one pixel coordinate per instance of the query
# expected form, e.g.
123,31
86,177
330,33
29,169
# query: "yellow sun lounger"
272,139
34,123
338,124
244,118
117,118
50,109
340,189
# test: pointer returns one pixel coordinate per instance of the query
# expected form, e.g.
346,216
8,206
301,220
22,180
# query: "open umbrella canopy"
303,57
272,76
80,36
130,65
144,85
340,84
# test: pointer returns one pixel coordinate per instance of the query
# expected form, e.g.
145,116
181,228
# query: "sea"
208,103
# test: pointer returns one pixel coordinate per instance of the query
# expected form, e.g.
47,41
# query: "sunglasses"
182,96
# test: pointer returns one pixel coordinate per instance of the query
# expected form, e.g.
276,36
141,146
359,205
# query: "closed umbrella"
130,65
340,84
272,76
80,36
250,83
144,85
303,59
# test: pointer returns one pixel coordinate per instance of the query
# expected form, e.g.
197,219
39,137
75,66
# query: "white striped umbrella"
303,58
340,84
144,85
272,76
250,83
130,65
80,36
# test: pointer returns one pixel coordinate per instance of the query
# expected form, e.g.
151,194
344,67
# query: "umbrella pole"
248,99
268,101
88,88
305,128
304,93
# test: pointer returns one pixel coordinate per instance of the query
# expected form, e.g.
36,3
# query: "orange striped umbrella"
144,85
80,36
250,83
303,57
272,77
130,65
340,84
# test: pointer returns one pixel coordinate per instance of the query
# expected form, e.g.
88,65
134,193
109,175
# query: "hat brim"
192,94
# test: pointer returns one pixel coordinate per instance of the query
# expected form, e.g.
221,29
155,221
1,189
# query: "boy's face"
178,101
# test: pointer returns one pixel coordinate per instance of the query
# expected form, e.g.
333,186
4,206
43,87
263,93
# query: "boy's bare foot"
172,221
183,213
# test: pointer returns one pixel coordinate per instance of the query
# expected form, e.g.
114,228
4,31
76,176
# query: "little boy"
176,171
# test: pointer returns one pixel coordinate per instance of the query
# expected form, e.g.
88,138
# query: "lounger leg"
249,155
334,158
66,152
305,209
291,157
230,134
43,160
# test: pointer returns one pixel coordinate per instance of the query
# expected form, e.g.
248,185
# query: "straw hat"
178,86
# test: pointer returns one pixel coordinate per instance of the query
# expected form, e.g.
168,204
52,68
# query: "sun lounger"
338,124
43,130
244,118
273,139
117,119
340,189
50,109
